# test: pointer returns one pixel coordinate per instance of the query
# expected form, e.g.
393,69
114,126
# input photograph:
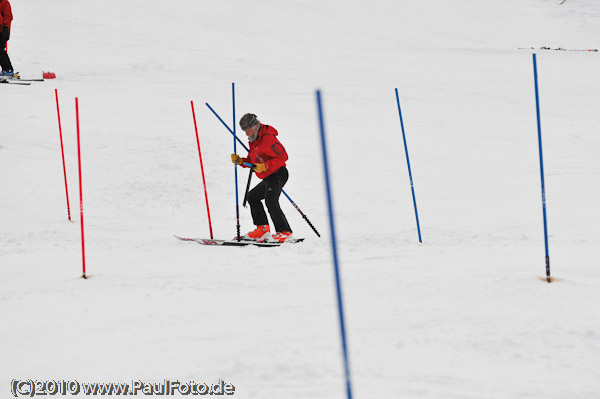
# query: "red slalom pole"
202,167
80,189
62,150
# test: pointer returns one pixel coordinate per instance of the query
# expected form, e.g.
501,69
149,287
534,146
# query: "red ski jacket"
5,14
268,150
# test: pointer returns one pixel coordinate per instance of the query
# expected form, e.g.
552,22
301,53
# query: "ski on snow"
14,82
18,81
236,243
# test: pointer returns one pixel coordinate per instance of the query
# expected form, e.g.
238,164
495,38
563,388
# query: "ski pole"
247,188
251,166
246,148
302,214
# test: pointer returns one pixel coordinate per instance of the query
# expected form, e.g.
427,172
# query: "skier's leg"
255,196
274,184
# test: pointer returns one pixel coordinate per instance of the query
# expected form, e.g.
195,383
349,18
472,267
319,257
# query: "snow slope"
463,315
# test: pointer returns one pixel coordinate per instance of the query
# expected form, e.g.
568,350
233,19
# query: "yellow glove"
260,167
237,159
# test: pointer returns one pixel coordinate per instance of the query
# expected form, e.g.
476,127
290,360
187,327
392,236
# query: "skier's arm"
243,162
277,152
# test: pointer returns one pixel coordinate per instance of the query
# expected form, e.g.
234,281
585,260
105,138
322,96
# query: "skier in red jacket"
5,20
268,156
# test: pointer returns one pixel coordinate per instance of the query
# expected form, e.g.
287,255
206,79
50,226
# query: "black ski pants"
269,189
4,59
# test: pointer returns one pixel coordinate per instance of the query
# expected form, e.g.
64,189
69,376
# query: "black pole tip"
83,276
548,279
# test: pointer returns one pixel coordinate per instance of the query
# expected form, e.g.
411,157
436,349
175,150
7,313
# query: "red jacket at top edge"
6,16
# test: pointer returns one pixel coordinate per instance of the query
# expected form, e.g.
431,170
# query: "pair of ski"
13,82
241,243
19,81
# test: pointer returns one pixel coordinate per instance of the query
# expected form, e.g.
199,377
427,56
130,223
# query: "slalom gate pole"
412,187
80,188
334,247
539,126
62,150
237,201
202,168
246,148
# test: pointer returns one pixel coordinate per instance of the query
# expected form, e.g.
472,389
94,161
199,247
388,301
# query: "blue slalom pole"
334,248
237,201
227,127
246,148
412,187
539,125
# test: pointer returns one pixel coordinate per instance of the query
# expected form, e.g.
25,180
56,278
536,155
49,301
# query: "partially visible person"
6,18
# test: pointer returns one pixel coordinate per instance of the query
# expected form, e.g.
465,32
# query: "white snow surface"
465,314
